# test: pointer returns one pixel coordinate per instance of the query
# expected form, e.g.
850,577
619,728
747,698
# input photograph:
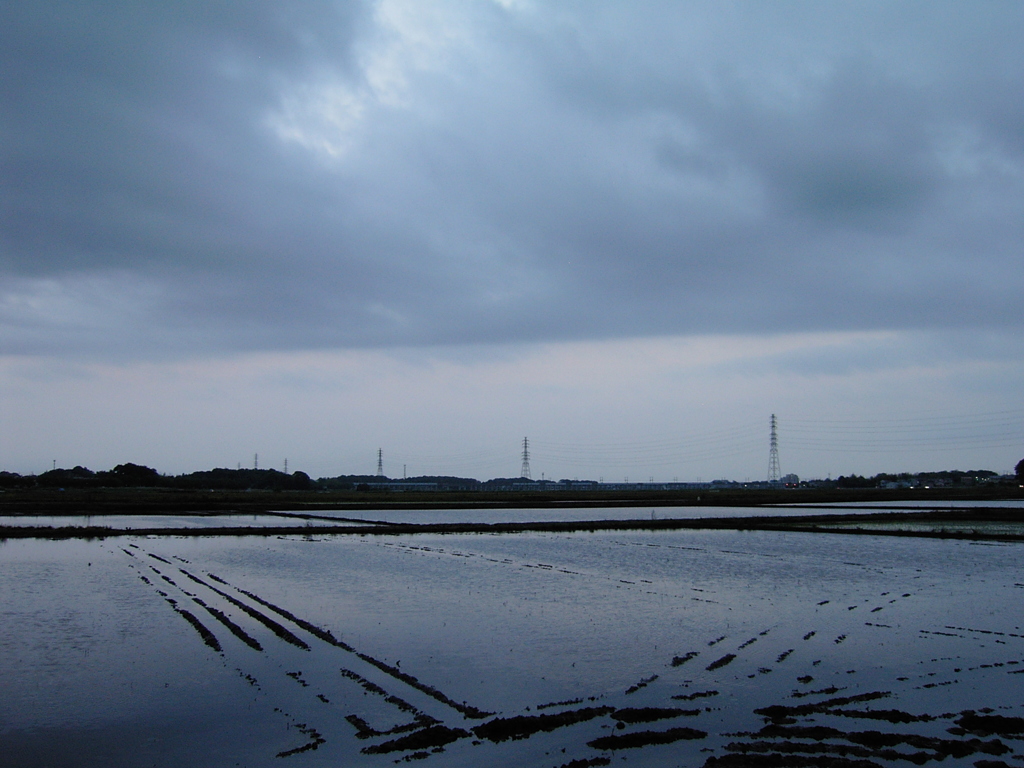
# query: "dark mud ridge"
421,732
645,738
642,684
783,741
591,763
429,738
678,661
467,710
719,663
987,725
233,628
650,714
266,621
365,731
523,726
693,696
867,744
208,637
313,629
315,741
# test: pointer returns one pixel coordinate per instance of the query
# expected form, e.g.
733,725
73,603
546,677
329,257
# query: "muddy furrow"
645,738
233,628
313,629
266,621
208,637
364,730
523,726
464,709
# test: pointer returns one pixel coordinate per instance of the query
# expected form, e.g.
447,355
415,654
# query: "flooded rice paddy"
645,648
142,522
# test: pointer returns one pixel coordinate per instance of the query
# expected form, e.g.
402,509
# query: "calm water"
98,667
515,515
555,515
132,522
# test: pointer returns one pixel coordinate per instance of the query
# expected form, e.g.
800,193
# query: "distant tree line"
954,477
139,476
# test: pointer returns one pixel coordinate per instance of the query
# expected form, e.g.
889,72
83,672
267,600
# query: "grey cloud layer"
264,175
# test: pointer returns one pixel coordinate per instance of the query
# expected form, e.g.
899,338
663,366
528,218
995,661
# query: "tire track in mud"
315,738
273,626
423,731
678,660
844,632
847,728
233,628
420,722
616,581
796,735
326,636
205,632
791,736
208,637
833,603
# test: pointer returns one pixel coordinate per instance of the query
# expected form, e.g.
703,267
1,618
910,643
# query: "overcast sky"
629,231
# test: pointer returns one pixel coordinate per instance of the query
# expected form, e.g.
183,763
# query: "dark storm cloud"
312,174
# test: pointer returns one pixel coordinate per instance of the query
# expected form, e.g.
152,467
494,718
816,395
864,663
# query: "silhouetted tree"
132,475
79,477
14,480
1019,469
855,481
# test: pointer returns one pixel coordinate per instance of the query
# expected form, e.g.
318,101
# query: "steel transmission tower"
380,463
526,459
774,473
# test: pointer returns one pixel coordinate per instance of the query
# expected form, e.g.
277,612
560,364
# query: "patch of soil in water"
429,738
591,763
315,741
678,661
266,621
777,760
650,714
727,659
466,710
522,726
236,630
208,637
692,696
987,725
646,738
889,715
780,712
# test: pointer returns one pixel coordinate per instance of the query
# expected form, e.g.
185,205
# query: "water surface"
452,632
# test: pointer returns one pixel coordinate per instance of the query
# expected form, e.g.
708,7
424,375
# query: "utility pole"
256,461
380,462
525,472
286,466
